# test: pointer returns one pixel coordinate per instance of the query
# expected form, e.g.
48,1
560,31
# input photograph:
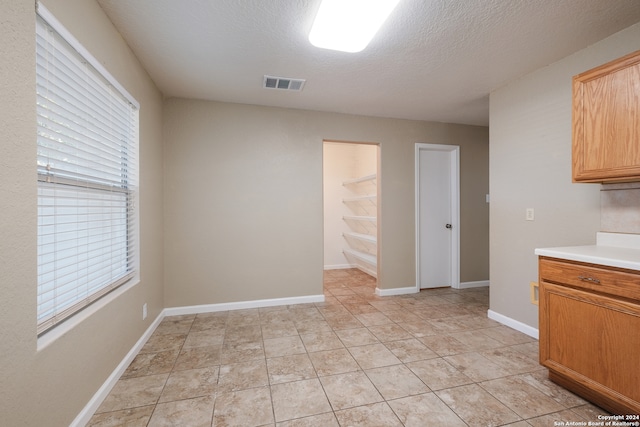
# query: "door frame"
454,151
378,197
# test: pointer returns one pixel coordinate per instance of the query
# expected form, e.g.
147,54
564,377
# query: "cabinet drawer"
606,280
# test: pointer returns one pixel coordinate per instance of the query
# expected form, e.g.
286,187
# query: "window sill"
63,328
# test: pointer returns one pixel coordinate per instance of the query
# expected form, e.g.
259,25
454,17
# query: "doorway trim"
378,198
454,151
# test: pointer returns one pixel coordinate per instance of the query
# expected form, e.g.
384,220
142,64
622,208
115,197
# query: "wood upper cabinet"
606,122
589,331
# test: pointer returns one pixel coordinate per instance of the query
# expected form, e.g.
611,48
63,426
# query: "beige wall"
530,167
243,199
474,209
49,387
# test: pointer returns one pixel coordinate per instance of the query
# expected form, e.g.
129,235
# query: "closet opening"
351,206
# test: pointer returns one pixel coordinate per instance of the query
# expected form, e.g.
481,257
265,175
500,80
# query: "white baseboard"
90,408
513,324
240,305
396,291
339,266
478,284
87,412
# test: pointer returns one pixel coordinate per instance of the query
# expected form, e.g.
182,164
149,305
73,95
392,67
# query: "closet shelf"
364,237
370,197
367,258
361,179
360,218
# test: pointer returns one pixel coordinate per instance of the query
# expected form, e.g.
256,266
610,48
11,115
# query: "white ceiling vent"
283,83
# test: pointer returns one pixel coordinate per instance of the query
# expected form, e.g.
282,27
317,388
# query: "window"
87,144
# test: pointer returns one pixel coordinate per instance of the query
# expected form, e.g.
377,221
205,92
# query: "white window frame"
88,179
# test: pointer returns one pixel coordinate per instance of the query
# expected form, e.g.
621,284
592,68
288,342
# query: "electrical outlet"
529,214
534,293
144,311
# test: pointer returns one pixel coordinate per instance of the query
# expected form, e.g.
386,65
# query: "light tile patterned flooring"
428,359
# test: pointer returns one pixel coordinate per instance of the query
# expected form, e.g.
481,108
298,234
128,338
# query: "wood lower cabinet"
590,332
606,122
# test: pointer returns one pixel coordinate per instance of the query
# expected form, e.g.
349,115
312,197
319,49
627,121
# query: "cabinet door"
594,341
606,122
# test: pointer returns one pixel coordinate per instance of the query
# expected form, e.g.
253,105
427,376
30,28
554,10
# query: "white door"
437,216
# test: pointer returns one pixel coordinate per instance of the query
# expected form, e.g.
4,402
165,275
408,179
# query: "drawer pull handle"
589,279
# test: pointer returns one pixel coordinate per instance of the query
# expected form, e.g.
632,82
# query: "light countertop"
611,249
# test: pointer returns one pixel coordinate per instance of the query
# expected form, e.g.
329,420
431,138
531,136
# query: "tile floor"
428,359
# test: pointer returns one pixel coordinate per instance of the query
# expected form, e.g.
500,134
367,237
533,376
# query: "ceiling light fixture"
349,25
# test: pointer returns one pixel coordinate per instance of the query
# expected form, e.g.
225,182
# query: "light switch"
529,214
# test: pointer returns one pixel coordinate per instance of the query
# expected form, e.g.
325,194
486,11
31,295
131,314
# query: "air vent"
283,83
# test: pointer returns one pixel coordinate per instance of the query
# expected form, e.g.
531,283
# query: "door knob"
448,226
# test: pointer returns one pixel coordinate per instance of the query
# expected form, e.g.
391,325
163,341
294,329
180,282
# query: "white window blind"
87,144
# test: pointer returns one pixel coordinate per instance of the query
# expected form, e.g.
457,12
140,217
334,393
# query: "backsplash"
620,208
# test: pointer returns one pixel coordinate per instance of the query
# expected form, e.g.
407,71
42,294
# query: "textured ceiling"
432,60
